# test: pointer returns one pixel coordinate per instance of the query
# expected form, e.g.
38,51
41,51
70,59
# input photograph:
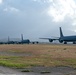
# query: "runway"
39,71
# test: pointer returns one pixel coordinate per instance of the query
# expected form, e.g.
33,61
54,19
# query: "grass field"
22,56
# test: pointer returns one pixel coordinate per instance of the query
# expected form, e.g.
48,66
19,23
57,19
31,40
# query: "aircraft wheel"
65,42
74,42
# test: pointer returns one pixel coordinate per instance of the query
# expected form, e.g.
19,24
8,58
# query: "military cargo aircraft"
62,38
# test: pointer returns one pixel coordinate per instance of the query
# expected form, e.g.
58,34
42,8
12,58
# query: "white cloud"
59,9
11,9
43,0
74,30
34,0
1,1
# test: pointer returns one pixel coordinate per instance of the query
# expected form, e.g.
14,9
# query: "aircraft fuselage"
68,38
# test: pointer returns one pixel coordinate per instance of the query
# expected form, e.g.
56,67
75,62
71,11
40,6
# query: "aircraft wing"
56,38
51,39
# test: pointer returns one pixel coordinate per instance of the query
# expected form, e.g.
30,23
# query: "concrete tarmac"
39,71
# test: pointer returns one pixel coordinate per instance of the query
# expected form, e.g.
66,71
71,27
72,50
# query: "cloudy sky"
37,18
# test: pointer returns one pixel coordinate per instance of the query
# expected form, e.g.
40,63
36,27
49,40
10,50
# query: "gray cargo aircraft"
26,41
62,38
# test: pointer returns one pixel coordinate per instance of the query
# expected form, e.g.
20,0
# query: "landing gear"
65,42
74,42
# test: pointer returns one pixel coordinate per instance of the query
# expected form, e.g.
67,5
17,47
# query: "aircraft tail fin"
61,34
21,37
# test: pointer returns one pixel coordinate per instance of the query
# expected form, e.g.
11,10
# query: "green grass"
71,62
23,62
37,55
